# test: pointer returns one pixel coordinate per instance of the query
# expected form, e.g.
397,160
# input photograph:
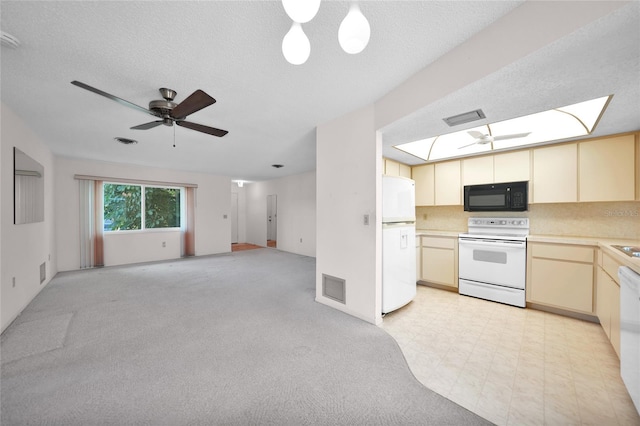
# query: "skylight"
559,123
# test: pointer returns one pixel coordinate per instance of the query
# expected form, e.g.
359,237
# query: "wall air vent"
466,117
334,288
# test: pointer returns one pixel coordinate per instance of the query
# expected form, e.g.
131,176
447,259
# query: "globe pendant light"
354,31
295,45
301,10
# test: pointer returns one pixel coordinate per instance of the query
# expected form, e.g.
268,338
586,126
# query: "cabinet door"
424,178
448,189
511,167
562,284
477,170
438,266
555,174
603,301
405,171
615,317
391,168
607,169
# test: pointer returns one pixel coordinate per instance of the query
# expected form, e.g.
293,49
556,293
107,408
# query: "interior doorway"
272,221
234,218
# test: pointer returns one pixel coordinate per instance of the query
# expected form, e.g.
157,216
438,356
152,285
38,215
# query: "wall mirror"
28,189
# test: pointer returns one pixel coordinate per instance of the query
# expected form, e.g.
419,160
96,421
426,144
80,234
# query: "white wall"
349,174
212,230
24,247
296,212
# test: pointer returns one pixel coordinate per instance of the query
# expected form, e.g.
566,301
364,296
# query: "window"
124,206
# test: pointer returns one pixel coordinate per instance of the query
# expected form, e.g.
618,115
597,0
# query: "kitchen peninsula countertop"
604,243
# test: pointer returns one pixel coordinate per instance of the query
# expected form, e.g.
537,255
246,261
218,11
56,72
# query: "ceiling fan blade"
513,136
147,126
477,134
201,128
195,102
466,146
113,98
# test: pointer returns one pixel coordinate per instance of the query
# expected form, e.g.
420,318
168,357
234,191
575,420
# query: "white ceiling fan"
483,139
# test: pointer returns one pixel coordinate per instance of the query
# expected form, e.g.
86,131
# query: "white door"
272,219
234,217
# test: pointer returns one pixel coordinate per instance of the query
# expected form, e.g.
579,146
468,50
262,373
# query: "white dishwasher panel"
630,332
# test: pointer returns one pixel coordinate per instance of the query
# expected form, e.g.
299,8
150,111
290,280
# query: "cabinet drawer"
560,252
439,242
611,267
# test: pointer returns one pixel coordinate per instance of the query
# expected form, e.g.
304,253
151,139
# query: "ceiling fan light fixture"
301,11
354,31
295,45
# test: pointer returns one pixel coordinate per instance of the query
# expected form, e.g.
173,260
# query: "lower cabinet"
561,276
439,260
608,299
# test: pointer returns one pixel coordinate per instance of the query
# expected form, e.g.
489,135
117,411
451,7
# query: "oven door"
486,260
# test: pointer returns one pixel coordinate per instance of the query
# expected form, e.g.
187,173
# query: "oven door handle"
487,242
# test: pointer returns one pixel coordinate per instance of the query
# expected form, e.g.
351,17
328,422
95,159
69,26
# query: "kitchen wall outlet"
300,239
224,216
366,220
13,281
164,244
49,257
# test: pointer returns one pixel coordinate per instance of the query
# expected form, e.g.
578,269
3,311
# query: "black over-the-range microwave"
497,197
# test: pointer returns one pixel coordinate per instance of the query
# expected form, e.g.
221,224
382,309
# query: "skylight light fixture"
556,124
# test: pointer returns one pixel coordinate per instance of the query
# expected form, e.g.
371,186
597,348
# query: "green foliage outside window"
162,207
123,206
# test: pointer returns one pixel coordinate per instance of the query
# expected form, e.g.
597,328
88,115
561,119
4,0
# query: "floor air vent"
334,288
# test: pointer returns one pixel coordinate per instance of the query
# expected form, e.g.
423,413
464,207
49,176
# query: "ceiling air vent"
466,117
126,141
8,40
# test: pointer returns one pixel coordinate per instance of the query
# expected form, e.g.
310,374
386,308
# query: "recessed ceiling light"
126,141
277,166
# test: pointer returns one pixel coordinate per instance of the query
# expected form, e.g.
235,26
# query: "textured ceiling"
231,50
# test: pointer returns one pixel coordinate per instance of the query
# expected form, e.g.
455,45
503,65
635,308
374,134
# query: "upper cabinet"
555,174
607,169
477,170
424,176
394,168
448,189
512,166
506,167
604,169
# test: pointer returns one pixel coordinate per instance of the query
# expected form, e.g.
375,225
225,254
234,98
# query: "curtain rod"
136,181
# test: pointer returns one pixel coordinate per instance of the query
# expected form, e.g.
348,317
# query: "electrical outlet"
224,216
366,220
13,281
424,216
49,257
164,244
300,239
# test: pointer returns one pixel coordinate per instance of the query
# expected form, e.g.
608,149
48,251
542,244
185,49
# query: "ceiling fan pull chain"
174,136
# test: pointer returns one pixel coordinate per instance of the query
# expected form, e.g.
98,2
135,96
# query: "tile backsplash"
608,220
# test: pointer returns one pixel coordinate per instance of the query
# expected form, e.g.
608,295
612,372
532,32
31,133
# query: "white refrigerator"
398,242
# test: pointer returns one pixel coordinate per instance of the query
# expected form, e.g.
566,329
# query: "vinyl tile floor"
510,365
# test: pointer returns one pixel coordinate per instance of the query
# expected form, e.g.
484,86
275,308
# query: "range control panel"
498,225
